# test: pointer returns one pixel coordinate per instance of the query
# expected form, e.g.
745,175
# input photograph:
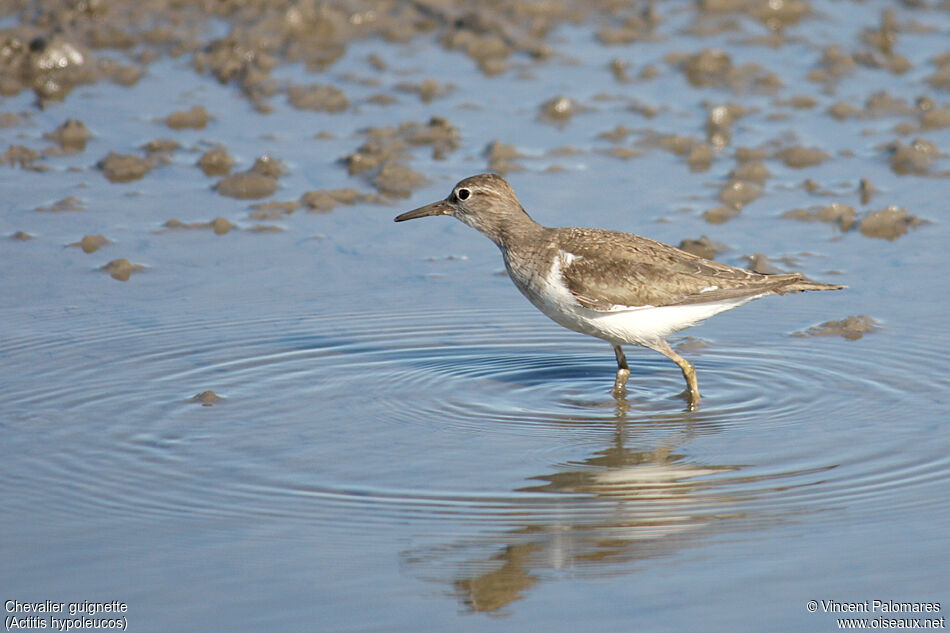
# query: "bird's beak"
442,207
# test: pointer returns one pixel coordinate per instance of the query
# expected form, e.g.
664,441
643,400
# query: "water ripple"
475,418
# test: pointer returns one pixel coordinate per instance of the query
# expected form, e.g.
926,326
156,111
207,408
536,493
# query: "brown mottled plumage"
619,287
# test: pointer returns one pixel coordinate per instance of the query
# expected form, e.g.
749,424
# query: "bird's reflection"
637,498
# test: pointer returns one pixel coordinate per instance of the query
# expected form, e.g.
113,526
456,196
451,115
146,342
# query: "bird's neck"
513,229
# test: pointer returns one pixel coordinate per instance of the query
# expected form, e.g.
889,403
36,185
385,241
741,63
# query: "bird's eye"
463,194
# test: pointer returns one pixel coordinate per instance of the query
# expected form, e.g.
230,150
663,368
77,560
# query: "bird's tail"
800,283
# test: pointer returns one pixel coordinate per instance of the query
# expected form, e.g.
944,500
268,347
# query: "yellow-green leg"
689,372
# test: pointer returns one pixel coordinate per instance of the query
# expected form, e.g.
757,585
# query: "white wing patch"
709,289
567,258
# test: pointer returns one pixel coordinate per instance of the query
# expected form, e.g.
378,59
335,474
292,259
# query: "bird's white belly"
639,325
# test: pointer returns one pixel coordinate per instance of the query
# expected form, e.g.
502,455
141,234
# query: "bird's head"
485,202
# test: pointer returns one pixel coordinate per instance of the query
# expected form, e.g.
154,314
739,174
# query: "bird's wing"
606,270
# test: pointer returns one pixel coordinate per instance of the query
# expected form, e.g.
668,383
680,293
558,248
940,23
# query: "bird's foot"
620,384
692,399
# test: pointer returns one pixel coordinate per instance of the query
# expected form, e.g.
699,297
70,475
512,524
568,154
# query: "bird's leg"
623,372
689,372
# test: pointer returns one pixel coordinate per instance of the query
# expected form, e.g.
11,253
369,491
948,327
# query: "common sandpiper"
619,287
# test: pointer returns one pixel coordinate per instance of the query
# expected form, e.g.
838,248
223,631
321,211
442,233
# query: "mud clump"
616,135
753,171
720,214
503,157
161,149
779,15
438,133
207,398
121,269
558,110
759,263
380,159
941,78
673,143
398,180
324,200
851,328
71,136
624,153
122,74
843,110
50,66
704,247
19,156
264,228
833,66
748,154
273,209
738,193
428,90
69,203
916,158
242,59
216,162
799,102
884,104
888,224
882,41
196,118
247,185
708,68
935,118
800,157
219,225
714,68
719,122
124,167
866,190
318,97
620,69
700,157
91,243
835,213
267,165
489,38
21,236
884,37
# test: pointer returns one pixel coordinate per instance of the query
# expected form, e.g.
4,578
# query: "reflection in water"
635,499
495,589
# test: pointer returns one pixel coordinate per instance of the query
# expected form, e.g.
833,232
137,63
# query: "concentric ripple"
486,420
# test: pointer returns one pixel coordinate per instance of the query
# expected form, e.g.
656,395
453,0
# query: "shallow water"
400,442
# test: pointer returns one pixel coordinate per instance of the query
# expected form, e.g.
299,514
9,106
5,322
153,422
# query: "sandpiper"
619,287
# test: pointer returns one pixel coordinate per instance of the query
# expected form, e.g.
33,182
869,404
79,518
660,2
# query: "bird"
619,287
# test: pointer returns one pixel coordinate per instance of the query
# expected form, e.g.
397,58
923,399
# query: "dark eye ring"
463,194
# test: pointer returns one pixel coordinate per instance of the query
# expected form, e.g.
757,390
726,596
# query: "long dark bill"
442,207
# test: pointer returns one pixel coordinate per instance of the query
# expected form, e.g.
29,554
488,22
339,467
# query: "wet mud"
91,243
121,269
851,328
